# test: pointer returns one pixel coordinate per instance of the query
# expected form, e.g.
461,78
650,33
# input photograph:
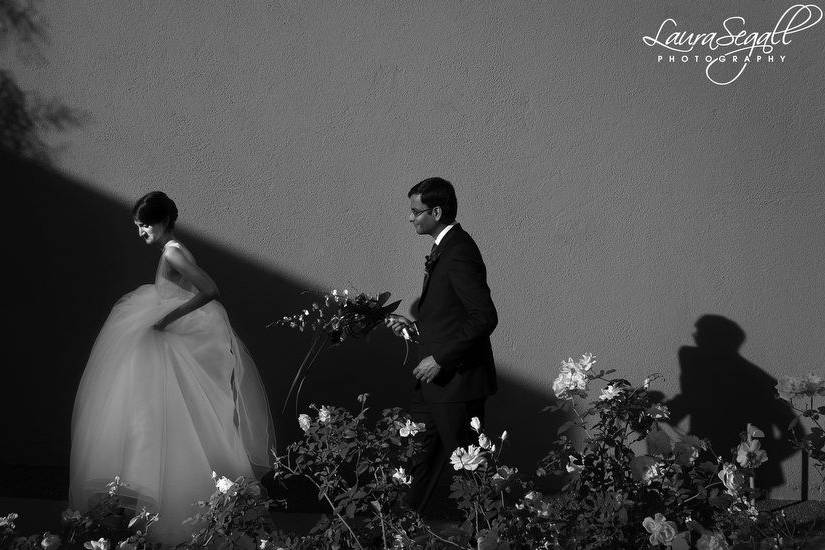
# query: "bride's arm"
207,289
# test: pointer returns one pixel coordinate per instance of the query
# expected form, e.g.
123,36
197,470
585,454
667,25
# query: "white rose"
467,459
224,484
653,473
661,531
749,454
100,544
586,362
50,541
712,541
401,476
410,428
732,479
609,392
485,443
8,520
574,464
324,415
788,387
572,376
114,486
304,421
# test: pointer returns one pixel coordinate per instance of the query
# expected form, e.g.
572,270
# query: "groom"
455,319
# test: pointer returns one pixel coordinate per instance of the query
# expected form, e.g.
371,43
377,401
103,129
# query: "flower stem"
331,505
699,494
335,511
583,423
383,531
306,363
451,543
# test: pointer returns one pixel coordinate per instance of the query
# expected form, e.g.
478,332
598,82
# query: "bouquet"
332,319
339,316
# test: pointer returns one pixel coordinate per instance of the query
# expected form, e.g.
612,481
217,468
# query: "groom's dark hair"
437,192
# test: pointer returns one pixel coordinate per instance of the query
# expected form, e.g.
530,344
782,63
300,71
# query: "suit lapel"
439,251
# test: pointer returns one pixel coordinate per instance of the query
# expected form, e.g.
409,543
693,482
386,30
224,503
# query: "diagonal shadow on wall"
73,252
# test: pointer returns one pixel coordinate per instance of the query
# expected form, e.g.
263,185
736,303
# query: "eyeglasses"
417,213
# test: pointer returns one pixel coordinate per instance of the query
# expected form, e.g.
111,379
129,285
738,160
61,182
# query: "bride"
169,394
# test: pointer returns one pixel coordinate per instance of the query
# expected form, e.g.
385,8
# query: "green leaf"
564,427
386,310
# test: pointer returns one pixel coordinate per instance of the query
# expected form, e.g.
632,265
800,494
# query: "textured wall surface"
616,199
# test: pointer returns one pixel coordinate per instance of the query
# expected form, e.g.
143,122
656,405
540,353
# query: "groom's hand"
397,323
427,369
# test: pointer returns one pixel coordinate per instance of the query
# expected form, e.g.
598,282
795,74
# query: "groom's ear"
437,213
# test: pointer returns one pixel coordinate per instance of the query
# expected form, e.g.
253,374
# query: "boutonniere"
429,261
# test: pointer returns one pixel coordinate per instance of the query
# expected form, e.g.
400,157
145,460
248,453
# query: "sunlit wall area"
617,199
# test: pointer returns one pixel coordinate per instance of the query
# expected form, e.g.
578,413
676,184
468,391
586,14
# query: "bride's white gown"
163,409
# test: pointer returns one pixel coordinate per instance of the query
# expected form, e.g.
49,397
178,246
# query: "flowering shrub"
804,390
236,515
628,483
620,496
360,472
661,531
95,530
484,488
7,529
103,520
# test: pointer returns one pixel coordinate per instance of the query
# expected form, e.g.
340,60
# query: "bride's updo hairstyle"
155,207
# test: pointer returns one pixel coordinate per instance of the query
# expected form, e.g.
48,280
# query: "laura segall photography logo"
726,53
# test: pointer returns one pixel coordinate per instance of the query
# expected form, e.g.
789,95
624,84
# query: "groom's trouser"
447,426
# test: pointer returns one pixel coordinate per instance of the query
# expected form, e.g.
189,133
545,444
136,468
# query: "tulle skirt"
164,409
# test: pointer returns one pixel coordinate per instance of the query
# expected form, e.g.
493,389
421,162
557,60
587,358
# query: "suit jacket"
456,316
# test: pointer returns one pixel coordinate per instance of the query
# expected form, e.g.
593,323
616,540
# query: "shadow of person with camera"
722,392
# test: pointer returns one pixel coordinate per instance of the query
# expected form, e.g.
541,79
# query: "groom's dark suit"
456,316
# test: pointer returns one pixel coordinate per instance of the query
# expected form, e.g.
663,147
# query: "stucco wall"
616,199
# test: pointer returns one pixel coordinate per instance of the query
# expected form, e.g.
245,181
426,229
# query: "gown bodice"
168,282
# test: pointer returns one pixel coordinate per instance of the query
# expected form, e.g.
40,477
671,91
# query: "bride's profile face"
150,233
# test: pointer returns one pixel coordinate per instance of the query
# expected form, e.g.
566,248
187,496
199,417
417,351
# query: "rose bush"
360,470
629,481
800,393
106,526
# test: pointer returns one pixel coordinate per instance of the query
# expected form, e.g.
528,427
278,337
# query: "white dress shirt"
443,232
